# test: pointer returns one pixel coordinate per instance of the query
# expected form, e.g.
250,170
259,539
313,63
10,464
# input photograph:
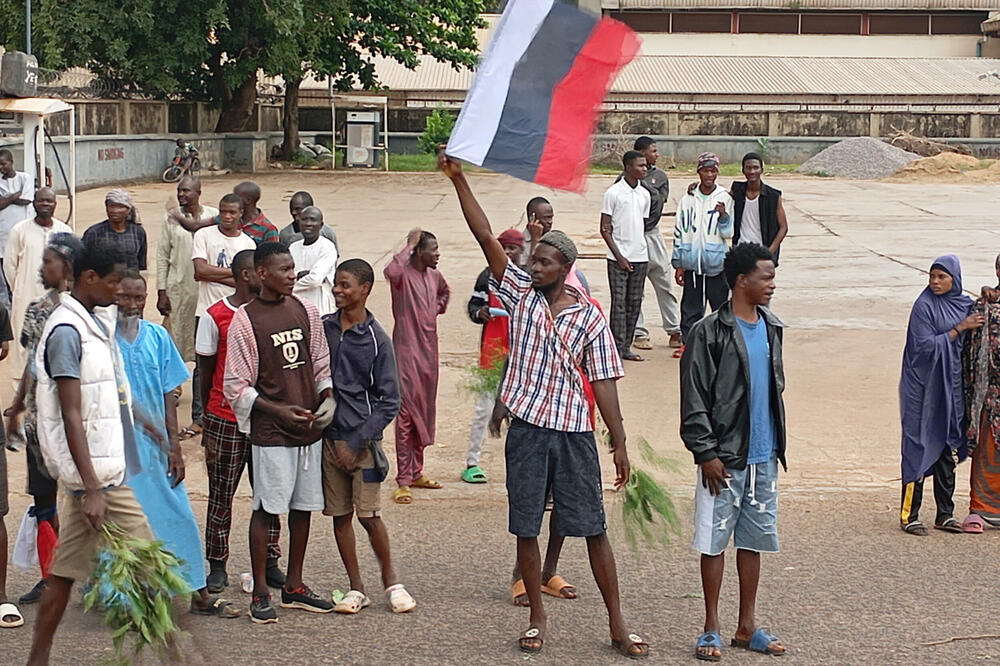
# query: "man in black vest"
758,212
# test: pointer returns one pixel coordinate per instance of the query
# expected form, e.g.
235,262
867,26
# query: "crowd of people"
295,380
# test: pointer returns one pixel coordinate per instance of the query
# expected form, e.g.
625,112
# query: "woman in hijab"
932,403
122,228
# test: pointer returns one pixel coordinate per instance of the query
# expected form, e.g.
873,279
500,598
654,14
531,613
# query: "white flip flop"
10,609
400,599
352,603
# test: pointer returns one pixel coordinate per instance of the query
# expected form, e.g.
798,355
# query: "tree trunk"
237,111
290,119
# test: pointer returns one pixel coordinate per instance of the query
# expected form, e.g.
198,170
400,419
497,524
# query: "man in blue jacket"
366,389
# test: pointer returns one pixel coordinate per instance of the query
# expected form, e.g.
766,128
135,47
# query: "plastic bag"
26,547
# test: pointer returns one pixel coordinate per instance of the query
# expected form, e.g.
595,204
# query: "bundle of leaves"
485,381
649,514
133,585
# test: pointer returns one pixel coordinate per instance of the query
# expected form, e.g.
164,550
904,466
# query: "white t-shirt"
12,214
320,259
750,224
218,250
628,208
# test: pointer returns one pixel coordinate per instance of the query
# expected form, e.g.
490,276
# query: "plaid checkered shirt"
542,385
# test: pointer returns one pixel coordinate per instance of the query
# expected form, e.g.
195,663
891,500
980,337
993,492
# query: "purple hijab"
931,400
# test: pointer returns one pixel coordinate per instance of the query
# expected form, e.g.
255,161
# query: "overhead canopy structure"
33,111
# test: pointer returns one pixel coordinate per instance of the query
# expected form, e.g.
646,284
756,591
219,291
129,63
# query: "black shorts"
40,484
541,462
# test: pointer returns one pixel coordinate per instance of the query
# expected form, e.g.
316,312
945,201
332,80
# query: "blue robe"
155,367
931,399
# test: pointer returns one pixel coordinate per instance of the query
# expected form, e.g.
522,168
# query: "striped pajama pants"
227,451
626,301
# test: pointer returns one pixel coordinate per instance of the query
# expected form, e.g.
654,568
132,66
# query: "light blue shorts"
746,510
287,478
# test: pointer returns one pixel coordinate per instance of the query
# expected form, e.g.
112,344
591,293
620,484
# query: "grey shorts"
541,462
287,478
746,511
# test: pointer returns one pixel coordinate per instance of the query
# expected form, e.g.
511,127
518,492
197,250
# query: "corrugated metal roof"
753,75
805,5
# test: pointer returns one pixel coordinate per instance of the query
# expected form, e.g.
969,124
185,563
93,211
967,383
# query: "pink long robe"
418,298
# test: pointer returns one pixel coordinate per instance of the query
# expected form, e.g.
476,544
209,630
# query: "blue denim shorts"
541,462
745,510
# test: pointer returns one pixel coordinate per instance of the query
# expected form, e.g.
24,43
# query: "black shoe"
305,599
217,580
34,595
261,610
275,578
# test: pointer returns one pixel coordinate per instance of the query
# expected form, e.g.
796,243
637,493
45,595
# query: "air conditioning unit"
362,137
18,74
357,156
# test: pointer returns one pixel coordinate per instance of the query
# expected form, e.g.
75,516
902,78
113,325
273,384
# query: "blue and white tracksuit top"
700,233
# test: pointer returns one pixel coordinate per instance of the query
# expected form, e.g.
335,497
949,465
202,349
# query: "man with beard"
155,369
556,335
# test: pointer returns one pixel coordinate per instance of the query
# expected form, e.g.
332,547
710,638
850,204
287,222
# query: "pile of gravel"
860,157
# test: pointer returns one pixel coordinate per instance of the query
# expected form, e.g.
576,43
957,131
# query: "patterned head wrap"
708,161
66,245
119,196
561,242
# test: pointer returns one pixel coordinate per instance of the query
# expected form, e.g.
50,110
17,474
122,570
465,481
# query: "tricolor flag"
533,104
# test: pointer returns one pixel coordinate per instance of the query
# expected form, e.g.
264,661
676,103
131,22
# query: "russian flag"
533,105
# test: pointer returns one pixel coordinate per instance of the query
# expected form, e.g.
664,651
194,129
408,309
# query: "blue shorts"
746,510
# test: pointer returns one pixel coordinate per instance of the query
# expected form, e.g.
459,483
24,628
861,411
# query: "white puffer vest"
99,403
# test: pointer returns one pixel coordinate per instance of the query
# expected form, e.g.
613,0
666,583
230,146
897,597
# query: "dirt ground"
848,586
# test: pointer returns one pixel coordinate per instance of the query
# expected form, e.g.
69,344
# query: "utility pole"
27,26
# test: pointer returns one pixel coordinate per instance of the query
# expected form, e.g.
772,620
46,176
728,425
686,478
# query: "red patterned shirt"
542,385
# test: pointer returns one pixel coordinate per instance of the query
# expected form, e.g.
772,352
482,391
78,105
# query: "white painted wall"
889,46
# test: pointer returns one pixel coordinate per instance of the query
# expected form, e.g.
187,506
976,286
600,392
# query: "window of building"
644,21
898,24
769,23
702,22
833,23
957,24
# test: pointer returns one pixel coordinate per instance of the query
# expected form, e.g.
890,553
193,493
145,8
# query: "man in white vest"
84,429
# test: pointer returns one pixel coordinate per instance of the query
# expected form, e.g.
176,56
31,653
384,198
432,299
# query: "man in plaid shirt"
560,351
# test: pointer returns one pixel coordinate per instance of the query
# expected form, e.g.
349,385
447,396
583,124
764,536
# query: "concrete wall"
109,159
870,46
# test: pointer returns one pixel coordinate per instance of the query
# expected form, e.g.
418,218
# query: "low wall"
102,160
111,159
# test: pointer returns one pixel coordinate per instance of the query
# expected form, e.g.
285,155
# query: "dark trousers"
700,290
626,301
197,409
943,472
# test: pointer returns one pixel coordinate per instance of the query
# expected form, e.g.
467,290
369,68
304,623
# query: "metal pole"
333,127
385,125
72,165
27,26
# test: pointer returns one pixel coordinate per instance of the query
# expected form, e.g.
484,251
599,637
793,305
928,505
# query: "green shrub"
437,130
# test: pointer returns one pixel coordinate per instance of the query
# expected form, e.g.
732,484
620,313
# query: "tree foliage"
437,130
215,49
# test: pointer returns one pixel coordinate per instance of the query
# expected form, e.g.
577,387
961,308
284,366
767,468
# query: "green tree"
216,49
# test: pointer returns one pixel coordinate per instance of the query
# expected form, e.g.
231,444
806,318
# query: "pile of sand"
948,168
860,157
